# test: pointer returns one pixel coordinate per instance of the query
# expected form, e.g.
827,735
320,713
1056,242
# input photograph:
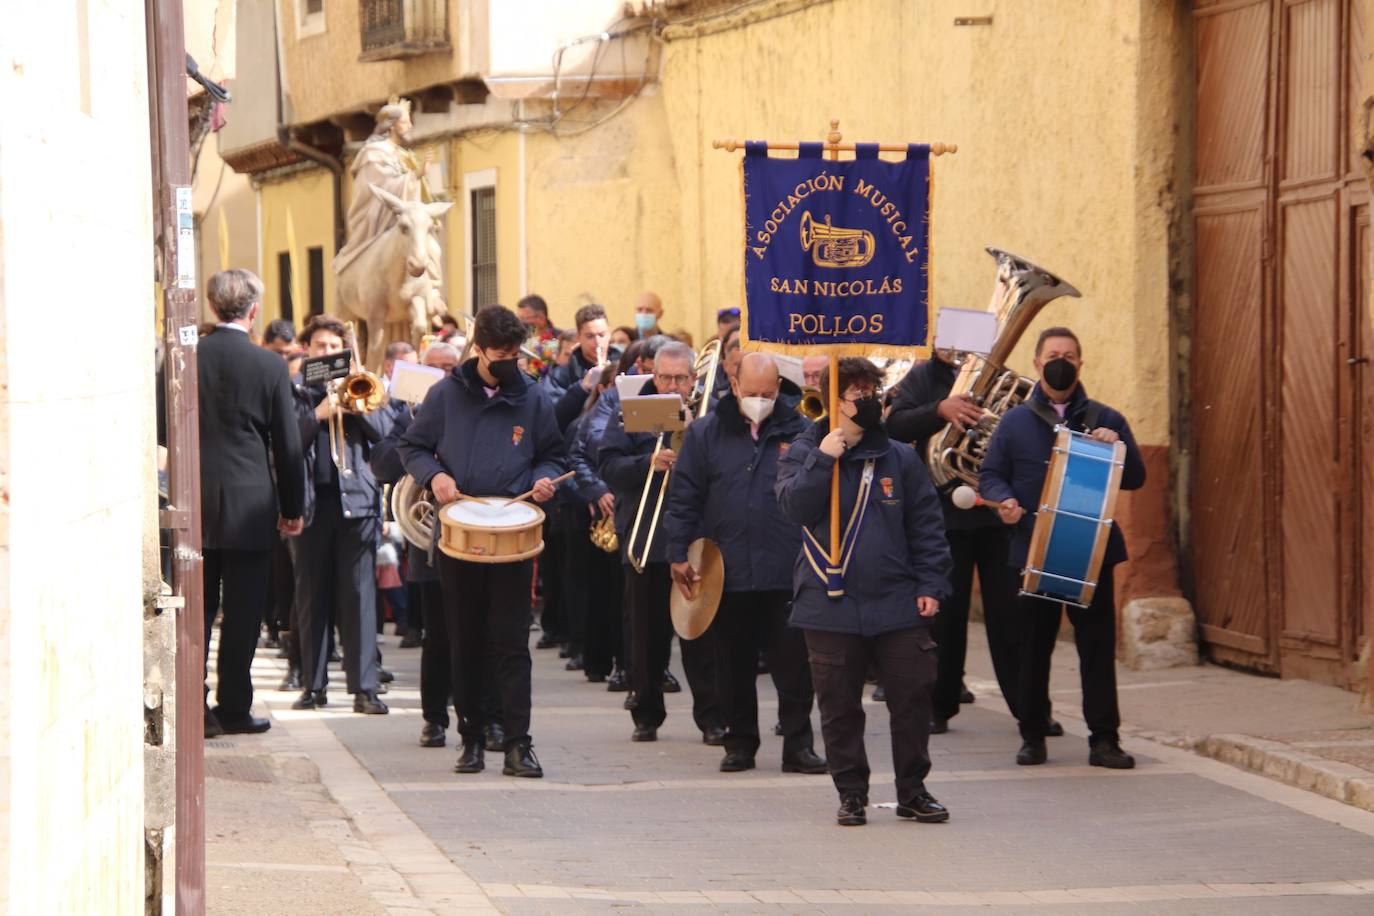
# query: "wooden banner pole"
833,142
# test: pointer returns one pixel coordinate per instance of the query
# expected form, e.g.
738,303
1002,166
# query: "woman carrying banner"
874,606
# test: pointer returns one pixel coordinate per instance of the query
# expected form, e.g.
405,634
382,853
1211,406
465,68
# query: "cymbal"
692,616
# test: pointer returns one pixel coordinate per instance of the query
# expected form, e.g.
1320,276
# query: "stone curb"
1343,782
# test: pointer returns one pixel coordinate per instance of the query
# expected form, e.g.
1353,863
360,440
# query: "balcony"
401,29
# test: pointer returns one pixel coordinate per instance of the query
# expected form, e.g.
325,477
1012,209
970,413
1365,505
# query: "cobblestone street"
656,827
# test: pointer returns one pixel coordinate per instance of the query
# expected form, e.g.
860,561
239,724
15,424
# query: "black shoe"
1032,753
310,699
385,676
520,761
574,664
644,733
412,640
242,724
494,737
470,758
777,729
670,684
851,813
617,682
631,701
924,809
1054,729
368,704
546,641
432,735
595,677
808,761
713,735
736,762
1103,754
213,728
879,694
965,695
939,726
292,681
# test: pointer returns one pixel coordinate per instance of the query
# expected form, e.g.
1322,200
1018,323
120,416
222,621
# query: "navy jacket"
387,468
490,446
722,488
623,463
901,553
1018,458
360,495
914,418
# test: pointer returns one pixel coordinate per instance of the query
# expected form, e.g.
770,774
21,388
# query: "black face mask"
868,412
1059,374
505,371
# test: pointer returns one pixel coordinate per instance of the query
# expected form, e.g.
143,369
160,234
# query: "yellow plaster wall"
1044,107
499,151
603,219
308,198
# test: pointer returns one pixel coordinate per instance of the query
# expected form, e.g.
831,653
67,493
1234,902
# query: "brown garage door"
1278,426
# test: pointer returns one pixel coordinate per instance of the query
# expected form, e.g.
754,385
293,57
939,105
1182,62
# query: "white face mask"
756,409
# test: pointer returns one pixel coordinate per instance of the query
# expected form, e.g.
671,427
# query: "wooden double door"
1281,425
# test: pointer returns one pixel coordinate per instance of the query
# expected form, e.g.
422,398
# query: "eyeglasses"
861,395
676,381
728,313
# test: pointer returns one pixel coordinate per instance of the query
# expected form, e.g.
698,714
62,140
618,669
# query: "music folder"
411,381
653,413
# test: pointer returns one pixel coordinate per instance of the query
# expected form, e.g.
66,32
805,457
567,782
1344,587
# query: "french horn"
412,508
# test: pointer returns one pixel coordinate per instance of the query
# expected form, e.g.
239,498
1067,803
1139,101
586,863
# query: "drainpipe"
301,148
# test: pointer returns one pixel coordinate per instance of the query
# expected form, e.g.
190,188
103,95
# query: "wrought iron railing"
394,29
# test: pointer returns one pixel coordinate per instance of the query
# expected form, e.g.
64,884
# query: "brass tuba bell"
812,405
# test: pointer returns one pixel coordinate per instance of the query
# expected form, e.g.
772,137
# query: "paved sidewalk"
1305,734
387,827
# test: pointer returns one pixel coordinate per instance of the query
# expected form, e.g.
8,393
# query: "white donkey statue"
390,280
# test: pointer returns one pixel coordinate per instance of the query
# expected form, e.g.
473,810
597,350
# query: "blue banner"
837,254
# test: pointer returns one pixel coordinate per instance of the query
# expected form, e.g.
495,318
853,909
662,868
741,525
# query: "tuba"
812,405
1022,289
413,511
831,246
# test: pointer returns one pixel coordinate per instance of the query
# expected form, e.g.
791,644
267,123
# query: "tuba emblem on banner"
834,247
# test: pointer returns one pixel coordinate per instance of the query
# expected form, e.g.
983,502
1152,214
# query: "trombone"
700,403
360,392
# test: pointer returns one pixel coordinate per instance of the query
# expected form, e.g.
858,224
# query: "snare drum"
491,531
1074,519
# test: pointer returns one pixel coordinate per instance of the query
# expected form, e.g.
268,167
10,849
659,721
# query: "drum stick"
966,498
530,492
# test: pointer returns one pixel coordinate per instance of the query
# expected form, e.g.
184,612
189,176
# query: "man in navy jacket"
337,553
486,430
895,577
1013,474
722,489
624,462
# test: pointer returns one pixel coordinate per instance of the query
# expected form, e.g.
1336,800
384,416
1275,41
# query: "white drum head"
477,513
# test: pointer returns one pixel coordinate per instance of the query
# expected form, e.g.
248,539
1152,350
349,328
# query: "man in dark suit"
246,412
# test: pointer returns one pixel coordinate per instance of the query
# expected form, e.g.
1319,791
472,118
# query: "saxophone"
1021,291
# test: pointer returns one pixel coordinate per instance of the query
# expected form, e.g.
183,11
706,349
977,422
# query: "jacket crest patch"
516,434
886,484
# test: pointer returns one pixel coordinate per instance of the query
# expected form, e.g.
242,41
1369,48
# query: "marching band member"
486,430
722,489
894,570
1013,473
337,552
921,408
624,463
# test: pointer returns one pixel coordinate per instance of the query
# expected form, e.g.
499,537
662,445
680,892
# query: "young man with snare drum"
893,580
1013,475
484,431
